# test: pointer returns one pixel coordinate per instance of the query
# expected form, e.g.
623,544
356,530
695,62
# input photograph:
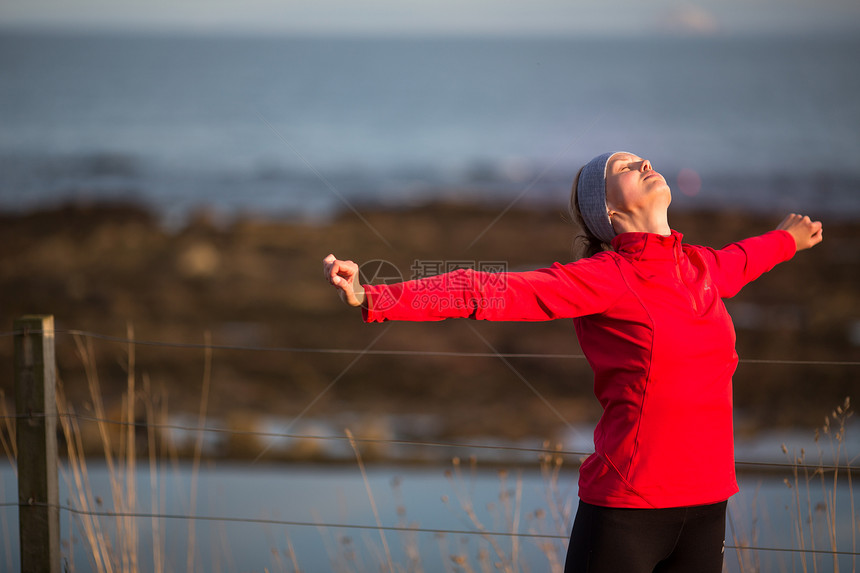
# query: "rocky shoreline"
253,287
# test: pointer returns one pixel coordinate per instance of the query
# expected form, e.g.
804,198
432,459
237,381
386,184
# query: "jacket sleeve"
587,286
740,263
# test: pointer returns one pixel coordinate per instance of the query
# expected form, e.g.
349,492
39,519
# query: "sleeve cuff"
367,315
790,244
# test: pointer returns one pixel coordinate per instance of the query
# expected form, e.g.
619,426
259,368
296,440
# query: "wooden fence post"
36,431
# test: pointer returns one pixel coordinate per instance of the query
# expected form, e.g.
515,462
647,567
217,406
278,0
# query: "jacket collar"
648,246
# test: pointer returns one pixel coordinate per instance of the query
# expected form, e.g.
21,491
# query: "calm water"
300,126
763,514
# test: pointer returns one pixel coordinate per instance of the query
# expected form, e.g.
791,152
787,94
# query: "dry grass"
112,543
807,516
812,505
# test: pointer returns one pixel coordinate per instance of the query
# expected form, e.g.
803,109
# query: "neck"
653,222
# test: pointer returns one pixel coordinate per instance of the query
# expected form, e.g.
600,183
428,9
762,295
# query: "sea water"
305,126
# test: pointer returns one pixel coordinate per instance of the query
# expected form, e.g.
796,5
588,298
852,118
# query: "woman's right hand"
343,276
806,232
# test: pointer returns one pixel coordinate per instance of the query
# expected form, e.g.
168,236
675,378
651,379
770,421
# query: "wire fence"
369,527
793,466
296,349
401,442
396,528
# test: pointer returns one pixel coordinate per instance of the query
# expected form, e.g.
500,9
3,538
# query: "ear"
610,206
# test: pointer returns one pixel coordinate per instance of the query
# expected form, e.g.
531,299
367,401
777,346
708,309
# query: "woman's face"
633,185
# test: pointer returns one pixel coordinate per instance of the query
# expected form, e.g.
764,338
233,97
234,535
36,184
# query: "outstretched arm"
737,264
806,232
584,287
343,275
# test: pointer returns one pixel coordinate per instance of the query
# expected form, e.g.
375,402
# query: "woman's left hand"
806,232
344,276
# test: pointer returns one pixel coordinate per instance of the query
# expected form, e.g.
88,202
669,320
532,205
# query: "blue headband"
591,196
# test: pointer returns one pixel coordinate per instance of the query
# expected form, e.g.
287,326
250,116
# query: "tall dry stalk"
118,495
508,515
198,446
129,526
372,500
834,430
560,507
512,514
7,437
409,538
111,541
158,556
741,554
291,553
467,506
80,491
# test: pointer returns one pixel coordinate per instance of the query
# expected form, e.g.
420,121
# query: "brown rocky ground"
258,283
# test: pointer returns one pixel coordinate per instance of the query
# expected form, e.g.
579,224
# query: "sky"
439,17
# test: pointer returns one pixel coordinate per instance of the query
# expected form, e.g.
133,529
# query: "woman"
648,313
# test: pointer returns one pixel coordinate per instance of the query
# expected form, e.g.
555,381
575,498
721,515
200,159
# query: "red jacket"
651,322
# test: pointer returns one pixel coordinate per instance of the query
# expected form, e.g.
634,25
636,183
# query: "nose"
646,165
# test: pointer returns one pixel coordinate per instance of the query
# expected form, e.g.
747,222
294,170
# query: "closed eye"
622,162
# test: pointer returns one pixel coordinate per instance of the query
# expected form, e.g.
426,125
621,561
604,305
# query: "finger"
340,282
345,269
788,221
813,229
334,271
335,267
819,232
330,269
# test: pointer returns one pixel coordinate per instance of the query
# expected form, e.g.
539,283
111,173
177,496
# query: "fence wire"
397,528
399,442
297,349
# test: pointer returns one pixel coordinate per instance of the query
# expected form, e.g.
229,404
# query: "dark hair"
585,243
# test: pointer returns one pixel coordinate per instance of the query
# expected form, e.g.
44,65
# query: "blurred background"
175,173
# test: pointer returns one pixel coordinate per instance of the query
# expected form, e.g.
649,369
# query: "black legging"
678,539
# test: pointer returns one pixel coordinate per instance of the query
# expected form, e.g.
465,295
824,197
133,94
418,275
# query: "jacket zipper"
689,291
